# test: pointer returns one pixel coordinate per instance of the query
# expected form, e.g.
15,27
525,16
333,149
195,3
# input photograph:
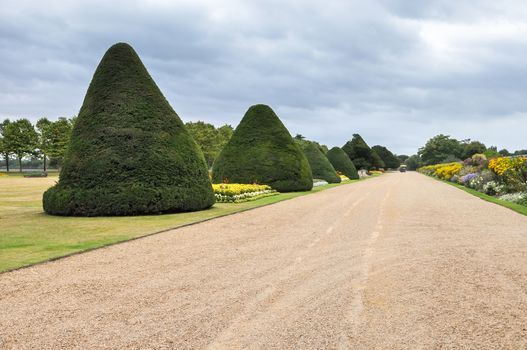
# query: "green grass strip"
31,237
521,209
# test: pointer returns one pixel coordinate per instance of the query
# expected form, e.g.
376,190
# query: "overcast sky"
395,71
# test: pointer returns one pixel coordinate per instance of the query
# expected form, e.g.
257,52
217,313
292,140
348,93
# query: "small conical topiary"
261,150
321,167
341,162
129,153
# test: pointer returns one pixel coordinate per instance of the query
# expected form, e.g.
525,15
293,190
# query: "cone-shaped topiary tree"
390,160
341,162
321,167
360,153
129,153
261,150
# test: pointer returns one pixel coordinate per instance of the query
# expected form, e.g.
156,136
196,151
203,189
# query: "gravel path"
396,262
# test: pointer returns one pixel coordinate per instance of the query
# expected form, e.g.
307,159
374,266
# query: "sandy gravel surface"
396,262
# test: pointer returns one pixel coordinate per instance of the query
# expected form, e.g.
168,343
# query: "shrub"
321,167
389,159
129,153
512,172
442,171
361,154
261,150
342,163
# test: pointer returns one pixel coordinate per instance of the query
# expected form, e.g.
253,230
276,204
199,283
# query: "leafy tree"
4,147
414,162
261,150
360,153
439,148
521,152
43,132
225,132
402,158
59,139
389,159
472,147
54,138
129,153
491,152
211,140
299,137
20,138
504,152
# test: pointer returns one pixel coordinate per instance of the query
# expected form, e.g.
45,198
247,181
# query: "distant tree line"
45,141
445,149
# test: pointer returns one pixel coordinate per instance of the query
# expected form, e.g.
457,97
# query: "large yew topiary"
261,150
321,167
341,162
129,152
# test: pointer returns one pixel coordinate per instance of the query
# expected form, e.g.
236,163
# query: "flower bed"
503,177
237,193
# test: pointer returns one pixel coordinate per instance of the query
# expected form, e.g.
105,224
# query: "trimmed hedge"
361,154
129,153
321,167
262,151
389,159
341,162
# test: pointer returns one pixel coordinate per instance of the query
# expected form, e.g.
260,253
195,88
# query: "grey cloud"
395,73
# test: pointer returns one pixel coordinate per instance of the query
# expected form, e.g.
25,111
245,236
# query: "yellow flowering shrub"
442,171
501,165
446,171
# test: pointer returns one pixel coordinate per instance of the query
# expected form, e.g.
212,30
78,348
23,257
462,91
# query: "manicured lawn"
513,206
29,236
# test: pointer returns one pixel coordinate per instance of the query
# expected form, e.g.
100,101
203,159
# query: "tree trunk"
44,161
7,161
20,162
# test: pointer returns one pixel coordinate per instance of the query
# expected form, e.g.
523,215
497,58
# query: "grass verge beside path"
29,236
521,209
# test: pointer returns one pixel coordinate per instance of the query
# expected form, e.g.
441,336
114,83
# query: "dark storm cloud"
397,72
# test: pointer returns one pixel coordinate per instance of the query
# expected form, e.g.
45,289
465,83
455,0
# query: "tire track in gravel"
256,308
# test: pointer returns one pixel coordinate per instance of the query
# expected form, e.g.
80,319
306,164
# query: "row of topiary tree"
131,154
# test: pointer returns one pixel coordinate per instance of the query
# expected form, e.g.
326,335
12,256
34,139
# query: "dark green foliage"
376,161
342,163
129,152
321,167
414,162
389,159
472,147
402,158
262,151
360,153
